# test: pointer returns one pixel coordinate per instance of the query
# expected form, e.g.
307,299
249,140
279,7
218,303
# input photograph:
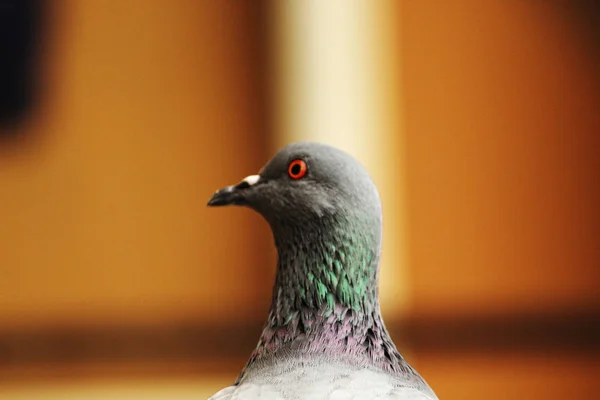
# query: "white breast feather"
325,382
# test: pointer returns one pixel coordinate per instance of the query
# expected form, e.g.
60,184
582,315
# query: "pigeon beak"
233,194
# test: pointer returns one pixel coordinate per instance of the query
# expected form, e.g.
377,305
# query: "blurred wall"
148,108
486,114
502,133
502,142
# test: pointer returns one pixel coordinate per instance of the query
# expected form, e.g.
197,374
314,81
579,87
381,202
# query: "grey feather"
324,337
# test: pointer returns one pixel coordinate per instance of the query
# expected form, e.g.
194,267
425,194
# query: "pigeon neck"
327,264
325,295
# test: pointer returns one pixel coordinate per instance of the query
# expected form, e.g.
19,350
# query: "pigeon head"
304,184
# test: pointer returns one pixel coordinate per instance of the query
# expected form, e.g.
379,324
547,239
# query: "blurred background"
479,121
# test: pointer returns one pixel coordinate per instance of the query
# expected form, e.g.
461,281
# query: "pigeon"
324,337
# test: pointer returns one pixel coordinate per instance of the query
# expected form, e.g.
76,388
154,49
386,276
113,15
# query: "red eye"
297,169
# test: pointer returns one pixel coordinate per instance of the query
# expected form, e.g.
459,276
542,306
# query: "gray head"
307,183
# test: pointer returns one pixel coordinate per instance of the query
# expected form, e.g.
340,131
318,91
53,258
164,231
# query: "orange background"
148,107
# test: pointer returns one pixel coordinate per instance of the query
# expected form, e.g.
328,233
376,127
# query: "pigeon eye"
297,169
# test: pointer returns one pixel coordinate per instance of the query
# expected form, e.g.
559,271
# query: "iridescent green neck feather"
325,297
321,266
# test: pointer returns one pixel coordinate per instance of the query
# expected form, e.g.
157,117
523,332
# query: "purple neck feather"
325,299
